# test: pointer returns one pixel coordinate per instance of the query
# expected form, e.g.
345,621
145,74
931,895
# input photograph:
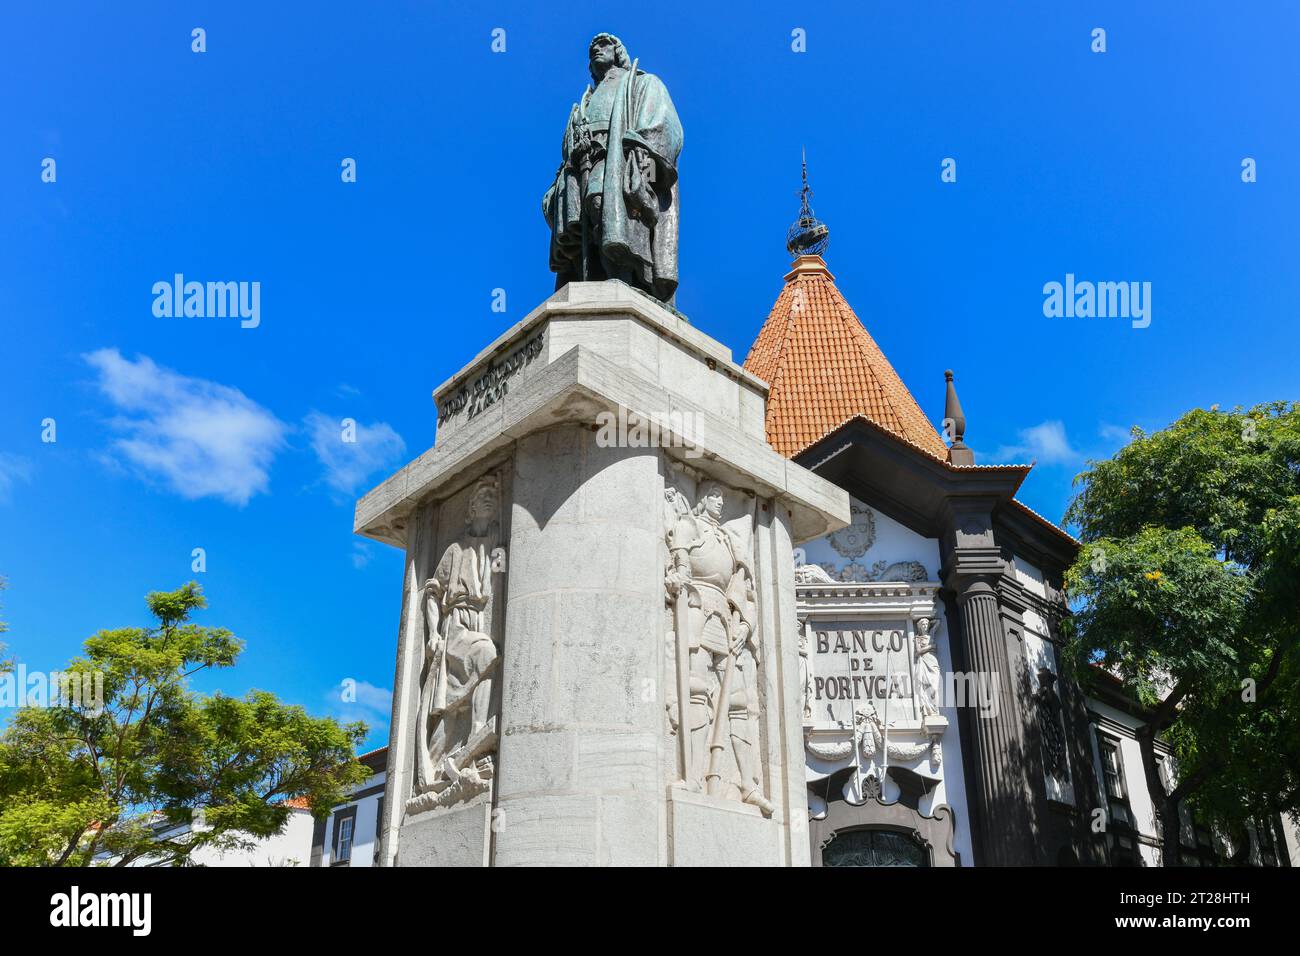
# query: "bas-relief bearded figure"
458,727
613,205
710,589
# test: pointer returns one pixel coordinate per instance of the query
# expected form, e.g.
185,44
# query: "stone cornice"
876,598
575,388
608,300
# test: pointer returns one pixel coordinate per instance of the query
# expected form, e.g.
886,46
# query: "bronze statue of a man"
613,206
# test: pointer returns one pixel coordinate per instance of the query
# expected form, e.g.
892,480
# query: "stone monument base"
708,831
600,531
450,836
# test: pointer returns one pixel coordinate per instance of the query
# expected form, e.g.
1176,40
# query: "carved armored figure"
461,659
612,208
928,679
710,583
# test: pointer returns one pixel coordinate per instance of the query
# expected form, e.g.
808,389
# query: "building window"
1112,768
1165,772
345,822
345,839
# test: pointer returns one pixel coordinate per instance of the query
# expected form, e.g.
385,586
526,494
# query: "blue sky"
174,434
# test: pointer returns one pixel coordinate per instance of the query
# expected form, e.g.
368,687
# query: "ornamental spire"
954,425
809,236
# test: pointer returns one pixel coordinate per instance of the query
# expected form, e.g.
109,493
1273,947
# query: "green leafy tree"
109,781
1188,590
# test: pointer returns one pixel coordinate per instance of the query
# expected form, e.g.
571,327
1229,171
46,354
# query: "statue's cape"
652,123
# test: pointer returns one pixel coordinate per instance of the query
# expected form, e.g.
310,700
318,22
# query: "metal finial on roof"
954,425
809,236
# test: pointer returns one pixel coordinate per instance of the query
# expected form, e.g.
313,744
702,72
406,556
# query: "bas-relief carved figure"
709,583
927,680
457,735
805,667
613,206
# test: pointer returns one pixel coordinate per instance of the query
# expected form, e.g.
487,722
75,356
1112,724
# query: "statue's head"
711,500
482,502
604,51
923,625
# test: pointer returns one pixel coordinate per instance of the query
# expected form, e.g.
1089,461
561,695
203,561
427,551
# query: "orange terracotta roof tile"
823,368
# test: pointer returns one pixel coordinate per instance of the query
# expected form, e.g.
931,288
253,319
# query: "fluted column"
1000,805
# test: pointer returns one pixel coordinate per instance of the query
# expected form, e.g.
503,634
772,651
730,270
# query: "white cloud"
1115,435
1045,443
361,554
200,438
351,700
13,469
349,463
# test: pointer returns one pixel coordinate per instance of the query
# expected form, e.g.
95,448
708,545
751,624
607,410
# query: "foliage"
1187,589
117,780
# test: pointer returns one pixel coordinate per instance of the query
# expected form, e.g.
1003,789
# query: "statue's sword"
681,629
721,724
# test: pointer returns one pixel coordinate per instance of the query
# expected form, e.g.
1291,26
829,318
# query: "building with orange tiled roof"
823,368
941,572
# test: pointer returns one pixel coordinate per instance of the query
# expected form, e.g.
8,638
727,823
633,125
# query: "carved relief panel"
713,650
871,548
460,629
873,691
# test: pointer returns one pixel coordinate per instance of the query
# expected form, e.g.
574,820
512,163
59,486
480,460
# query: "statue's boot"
751,792
756,799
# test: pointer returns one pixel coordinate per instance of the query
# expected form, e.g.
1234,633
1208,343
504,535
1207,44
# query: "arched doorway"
876,846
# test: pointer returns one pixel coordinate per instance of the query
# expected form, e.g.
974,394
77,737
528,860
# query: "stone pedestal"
599,508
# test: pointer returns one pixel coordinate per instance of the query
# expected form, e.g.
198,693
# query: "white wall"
1135,780
893,543
290,847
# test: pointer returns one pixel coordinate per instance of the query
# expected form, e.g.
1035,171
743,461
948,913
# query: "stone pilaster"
992,727
1001,803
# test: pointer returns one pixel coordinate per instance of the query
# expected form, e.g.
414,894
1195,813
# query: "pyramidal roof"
823,369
